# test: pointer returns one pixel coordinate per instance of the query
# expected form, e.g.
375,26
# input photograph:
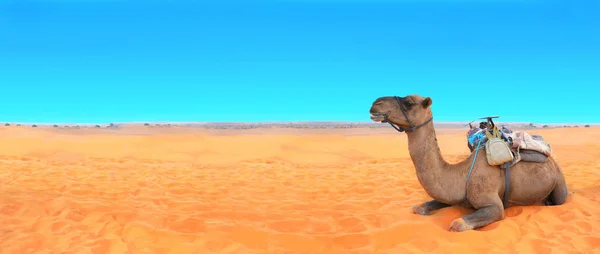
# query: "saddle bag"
497,152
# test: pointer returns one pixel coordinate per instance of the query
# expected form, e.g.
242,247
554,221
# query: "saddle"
523,146
505,148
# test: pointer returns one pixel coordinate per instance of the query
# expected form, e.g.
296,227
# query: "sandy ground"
264,191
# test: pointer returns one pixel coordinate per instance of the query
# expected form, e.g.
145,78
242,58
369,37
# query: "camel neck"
439,178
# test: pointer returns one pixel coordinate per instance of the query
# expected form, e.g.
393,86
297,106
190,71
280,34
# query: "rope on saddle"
472,166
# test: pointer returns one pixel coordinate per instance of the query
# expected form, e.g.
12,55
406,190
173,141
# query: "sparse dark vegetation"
55,126
18,124
587,126
6,124
34,126
146,124
545,126
97,126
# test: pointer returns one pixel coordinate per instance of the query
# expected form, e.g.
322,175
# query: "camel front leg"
428,207
485,215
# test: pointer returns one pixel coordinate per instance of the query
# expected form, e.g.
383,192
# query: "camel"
530,183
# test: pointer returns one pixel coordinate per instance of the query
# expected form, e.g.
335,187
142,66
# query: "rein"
472,166
400,129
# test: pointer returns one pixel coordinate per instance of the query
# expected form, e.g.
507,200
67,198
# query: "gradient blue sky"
104,61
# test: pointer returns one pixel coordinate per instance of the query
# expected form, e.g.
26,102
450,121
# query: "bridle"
400,129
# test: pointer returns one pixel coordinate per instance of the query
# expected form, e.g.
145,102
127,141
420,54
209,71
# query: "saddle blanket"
524,141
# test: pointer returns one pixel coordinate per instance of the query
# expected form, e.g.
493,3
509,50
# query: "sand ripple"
286,194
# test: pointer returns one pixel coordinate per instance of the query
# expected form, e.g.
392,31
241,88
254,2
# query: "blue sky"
104,61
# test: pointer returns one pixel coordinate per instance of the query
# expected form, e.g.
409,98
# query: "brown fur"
530,183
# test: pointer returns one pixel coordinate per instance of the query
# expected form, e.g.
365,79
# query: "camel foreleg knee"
483,216
428,207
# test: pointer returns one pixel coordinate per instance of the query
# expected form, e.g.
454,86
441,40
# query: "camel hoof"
459,225
420,210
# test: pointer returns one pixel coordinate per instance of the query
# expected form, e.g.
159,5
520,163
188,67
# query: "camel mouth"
378,117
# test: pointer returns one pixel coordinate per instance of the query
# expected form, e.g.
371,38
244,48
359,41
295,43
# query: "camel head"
417,110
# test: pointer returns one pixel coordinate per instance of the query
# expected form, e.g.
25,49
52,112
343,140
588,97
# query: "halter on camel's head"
400,101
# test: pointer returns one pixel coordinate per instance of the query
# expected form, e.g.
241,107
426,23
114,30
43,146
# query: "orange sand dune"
192,191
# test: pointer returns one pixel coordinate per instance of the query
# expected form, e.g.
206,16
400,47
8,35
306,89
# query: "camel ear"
426,102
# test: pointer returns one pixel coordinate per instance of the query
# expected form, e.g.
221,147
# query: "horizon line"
274,122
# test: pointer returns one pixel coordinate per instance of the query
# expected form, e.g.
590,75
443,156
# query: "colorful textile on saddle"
524,141
475,134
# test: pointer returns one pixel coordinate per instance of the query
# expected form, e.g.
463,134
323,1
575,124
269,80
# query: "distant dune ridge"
295,125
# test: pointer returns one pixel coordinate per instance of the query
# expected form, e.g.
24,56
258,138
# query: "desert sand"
190,190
